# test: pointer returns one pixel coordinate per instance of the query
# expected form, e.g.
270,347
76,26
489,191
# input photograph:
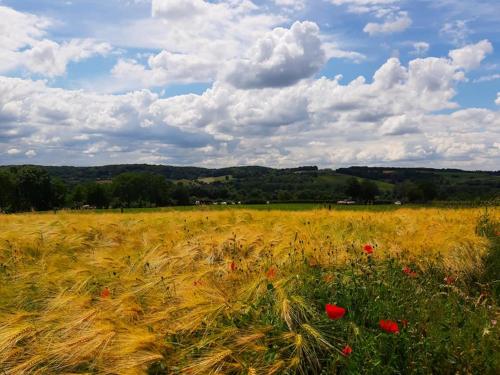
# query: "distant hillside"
453,183
85,174
389,175
142,185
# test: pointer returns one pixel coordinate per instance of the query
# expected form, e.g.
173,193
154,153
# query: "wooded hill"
142,185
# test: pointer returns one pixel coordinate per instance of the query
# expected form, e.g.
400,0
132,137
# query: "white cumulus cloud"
470,56
391,120
420,48
23,44
280,58
394,24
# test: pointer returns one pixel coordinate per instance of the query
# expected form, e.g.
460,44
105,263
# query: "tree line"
29,188
33,189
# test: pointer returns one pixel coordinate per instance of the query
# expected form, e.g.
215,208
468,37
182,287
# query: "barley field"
250,292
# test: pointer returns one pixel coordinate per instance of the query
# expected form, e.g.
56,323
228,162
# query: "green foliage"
489,278
442,328
369,190
139,189
7,190
33,188
30,188
133,186
353,188
97,195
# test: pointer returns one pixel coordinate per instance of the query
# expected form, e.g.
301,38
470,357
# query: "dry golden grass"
169,275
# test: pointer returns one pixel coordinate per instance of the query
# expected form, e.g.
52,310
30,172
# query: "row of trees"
32,188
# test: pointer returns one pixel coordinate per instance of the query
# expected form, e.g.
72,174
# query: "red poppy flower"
409,272
404,323
271,273
232,266
346,352
389,326
334,312
368,249
105,293
449,280
328,278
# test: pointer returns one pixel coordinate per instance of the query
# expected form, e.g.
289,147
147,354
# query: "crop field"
409,290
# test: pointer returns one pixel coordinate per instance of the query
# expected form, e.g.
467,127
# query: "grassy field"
239,291
264,207
292,207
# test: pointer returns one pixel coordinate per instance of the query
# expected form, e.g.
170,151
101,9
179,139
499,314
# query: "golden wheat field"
116,293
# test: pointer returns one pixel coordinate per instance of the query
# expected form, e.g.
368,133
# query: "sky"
279,83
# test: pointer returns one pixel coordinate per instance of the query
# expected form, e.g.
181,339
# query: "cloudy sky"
251,82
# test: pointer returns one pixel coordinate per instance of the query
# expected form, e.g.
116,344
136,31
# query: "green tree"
34,189
353,188
428,189
7,190
284,196
369,190
181,195
58,193
78,196
140,189
408,191
97,195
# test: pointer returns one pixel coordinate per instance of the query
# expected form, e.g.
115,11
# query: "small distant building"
398,203
349,202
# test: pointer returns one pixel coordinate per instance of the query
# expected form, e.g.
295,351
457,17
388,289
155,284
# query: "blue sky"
236,82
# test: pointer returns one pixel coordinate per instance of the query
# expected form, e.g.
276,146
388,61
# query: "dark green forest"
39,188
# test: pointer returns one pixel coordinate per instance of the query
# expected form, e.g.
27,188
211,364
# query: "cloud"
363,2
497,101
470,56
13,151
23,45
488,78
19,31
456,31
389,120
179,9
394,19
59,122
280,58
420,48
393,24
294,4
195,39
364,5
400,125
50,59
165,68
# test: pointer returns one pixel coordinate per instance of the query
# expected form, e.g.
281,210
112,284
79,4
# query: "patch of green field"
258,207
211,180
